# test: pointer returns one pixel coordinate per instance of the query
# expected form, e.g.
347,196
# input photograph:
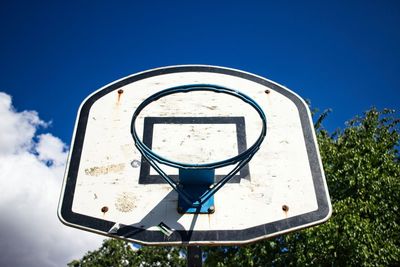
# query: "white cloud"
51,150
31,170
17,129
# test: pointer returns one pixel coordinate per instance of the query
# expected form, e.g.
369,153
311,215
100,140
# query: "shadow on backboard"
160,224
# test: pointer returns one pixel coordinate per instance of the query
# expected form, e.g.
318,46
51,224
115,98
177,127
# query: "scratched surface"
109,170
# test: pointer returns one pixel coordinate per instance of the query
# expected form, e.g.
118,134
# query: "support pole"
194,256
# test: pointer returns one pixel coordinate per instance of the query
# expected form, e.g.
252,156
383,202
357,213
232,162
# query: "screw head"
180,210
135,163
211,209
104,209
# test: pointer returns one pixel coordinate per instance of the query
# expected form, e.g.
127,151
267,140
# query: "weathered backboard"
110,189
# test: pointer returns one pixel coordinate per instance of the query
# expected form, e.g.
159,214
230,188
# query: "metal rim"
146,151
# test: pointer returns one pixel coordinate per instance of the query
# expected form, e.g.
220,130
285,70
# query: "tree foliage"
117,253
362,168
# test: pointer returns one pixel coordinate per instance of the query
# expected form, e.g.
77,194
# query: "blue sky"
342,55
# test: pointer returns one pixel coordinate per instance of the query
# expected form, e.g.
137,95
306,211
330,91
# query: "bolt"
180,210
120,91
211,209
267,91
135,163
104,209
285,208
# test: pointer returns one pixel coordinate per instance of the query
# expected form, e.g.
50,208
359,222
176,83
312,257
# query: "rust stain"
104,209
285,209
102,170
209,219
120,92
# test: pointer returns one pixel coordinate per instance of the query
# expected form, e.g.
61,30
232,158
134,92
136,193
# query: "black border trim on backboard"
139,235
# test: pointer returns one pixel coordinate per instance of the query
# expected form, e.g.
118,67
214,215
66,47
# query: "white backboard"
111,190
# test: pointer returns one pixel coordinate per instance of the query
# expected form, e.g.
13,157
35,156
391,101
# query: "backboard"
111,189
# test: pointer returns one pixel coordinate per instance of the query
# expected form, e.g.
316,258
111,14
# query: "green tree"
117,253
362,168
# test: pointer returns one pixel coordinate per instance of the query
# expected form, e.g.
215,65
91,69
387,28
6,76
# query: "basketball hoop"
196,181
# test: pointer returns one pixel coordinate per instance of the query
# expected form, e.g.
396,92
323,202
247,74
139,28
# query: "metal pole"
194,256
